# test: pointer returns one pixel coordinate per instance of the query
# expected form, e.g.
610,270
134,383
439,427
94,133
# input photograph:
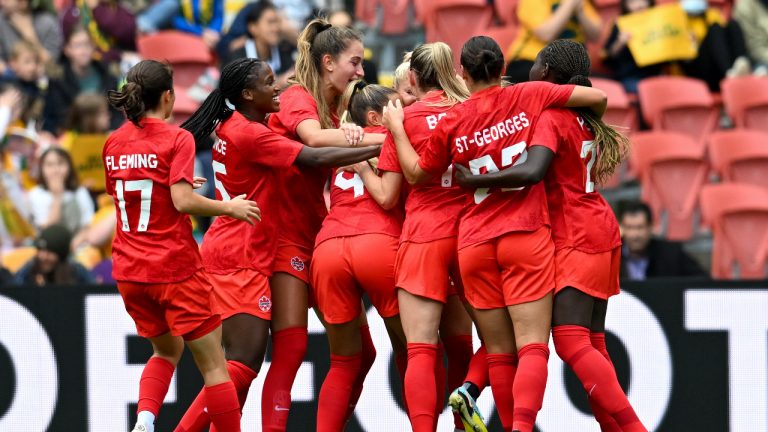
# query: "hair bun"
580,80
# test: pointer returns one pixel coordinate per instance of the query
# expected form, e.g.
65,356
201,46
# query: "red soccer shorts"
294,260
345,267
596,274
518,267
244,291
184,308
426,269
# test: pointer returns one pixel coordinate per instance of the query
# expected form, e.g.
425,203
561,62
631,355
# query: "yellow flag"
659,34
86,156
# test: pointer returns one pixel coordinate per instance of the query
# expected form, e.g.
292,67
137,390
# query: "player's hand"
462,175
353,133
198,182
245,210
393,115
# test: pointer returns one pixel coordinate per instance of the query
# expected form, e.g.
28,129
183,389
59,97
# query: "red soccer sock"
196,419
596,374
440,375
223,407
501,371
288,349
335,394
458,348
368,356
401,362
607,423
530,382
478,369
420,386
153,385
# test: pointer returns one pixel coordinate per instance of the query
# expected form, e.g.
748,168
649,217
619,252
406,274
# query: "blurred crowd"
58,60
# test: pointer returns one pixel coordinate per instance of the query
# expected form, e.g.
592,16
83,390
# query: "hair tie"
229,104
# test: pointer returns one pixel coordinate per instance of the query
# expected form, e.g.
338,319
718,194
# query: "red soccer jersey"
300,188
247,159
489,132
431,209
353,209
580,216
153,241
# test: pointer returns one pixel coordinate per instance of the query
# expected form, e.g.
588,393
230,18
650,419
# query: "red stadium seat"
395,19
504,36
746,101
455,21
187,53
672,169
365,12
184,106
738,214
740,156
506,10
678,104
620,110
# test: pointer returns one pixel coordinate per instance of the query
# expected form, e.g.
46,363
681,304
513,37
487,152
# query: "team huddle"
454,201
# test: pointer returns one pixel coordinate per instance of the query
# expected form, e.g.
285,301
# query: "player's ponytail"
359,98
433,65
225,99
482,58
570,64
318,39
145,84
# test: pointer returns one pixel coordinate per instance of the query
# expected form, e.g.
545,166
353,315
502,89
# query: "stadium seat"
16,258
746,101
740,156
455,21
620,110
738,215
678,104
672,170
188,54
504,36
506,11
365,12
395,16
184,106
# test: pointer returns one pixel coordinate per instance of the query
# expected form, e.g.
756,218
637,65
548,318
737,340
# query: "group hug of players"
481,208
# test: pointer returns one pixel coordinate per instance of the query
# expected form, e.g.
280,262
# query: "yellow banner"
86,156
659,35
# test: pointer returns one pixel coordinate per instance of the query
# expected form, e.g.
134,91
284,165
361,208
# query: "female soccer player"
329,58
359,227
426,258
247,159
505,250
157,266
578,151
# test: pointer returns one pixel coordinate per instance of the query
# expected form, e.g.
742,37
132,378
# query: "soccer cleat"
463,405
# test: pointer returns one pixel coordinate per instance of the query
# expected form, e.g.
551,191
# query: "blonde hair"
359,98
433,65
401,74
612,146
318,39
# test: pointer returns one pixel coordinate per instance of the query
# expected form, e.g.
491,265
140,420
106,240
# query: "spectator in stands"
642,255
30,21
24,72
752,16
78,73
617,55
59,199
51,264
263,41
88,115
543,21
111,26
158,16
204,18
720,44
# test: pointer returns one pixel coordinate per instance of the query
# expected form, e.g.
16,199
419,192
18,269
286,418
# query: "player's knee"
252,356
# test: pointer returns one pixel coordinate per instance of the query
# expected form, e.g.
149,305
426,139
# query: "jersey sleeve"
388,158
547,94
183,159
437,155
264,147
546,132
297,108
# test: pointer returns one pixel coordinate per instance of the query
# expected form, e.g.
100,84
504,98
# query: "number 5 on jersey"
143,186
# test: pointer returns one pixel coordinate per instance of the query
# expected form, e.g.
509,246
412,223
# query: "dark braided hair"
145,84
482,58
215,109
569,63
